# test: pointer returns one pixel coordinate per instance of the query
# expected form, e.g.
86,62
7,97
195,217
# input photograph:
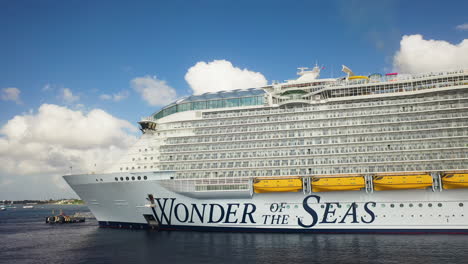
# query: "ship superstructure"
357,139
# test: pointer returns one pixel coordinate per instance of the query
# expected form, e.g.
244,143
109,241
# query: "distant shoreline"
43,202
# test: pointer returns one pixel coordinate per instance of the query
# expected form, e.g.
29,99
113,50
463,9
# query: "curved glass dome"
222,99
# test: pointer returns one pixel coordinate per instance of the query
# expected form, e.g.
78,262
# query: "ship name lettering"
277,207
230,213
329,214
275,219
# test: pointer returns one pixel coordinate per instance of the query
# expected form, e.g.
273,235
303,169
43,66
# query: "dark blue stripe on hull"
283,230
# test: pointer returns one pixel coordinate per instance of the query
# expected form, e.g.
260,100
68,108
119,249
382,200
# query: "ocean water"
25,238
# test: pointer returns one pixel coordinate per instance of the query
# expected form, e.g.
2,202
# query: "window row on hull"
401,138
407,147
367,120
325,170
459,154
335,135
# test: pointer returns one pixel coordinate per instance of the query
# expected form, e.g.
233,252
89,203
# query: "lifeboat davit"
330,184
455,181
401,182
277,185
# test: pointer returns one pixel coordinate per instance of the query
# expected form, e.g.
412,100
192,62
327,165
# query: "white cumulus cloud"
67,96
115,97
417,55
221,75
462,27
154,91
11,94
44,145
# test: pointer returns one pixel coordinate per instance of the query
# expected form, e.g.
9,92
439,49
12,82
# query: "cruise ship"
378,153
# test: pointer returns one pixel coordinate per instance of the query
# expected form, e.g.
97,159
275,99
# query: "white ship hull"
125,205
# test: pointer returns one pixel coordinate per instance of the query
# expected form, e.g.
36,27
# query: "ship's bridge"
222,99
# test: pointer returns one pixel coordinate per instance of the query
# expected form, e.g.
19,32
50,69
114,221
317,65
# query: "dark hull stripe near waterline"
282,230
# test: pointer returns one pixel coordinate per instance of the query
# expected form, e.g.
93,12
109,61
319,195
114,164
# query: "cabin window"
126,178
460,204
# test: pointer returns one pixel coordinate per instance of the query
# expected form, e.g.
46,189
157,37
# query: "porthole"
96,179
139,177
402,205
121,178
383,205
101,179
287,206
420,205
339,205
410,205
430,205
127,178
392,205
116,179
144,167
322,206
133,178
374,205
460,204
439,204
121,168
138,167
145,178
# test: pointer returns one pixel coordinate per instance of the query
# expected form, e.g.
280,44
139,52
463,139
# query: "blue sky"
99,47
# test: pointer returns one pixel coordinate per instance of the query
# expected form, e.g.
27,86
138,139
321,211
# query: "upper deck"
308,89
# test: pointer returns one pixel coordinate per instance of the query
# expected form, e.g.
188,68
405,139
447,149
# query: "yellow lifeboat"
338,184
358,77
400,182
277,185
455,181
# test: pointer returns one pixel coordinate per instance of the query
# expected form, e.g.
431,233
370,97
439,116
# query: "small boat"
402,182
28,207
2,208
338,184
455,181
277,185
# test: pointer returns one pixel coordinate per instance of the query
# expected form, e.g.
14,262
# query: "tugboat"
64,219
